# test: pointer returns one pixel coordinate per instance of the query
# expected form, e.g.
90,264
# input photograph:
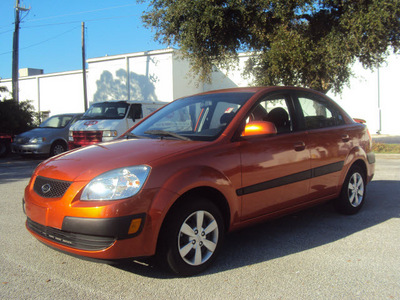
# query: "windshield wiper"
130,135
163,133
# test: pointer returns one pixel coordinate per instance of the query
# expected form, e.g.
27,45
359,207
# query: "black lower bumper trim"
113,227
73,240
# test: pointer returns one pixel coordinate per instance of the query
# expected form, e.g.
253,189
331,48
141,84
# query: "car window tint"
273,109
56,122
318,114
65,120
106,110
201,117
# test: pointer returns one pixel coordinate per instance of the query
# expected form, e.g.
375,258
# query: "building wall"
184,82
223,78
57,92
144,76
62,93
162,75
370,90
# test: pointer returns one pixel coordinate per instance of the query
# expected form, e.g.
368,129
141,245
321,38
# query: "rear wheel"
57,148
191,237
353,192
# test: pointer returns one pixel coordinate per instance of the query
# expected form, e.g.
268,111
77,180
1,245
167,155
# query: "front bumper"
41,148
90,234
104,230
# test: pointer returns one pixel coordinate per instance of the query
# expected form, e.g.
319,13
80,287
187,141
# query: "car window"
318,113
106,110
136,111
56,122
201,117
274,109
76,118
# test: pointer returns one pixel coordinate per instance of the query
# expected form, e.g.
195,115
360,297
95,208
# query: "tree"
310,43
16,117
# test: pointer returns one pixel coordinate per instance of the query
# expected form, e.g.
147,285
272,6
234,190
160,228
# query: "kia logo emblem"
46,188
90,123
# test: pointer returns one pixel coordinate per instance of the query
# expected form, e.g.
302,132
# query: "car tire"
184,248
352,195
57,148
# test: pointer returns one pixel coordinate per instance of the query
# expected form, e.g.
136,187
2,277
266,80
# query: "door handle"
345,138
299,146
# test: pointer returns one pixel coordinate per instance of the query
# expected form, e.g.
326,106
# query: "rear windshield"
106,110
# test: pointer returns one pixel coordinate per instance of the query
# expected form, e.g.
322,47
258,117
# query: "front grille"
50,188
22,140
87,136
73,240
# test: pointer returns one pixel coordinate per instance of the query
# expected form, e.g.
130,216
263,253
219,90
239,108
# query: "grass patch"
386,148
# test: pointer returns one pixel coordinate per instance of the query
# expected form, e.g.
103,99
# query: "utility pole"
379,105
84,67
15,56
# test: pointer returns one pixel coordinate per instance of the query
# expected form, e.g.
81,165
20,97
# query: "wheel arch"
356,157
361,163
61,141
209,193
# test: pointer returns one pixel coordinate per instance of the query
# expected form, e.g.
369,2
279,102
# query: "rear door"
328,142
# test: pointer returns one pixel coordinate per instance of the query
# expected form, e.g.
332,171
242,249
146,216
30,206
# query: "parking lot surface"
314,254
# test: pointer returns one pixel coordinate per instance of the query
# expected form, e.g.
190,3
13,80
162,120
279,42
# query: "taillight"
370,137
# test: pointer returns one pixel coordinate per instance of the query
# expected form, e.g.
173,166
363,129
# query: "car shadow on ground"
295,233
16,168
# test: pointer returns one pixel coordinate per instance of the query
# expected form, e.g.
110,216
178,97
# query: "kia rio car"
202,166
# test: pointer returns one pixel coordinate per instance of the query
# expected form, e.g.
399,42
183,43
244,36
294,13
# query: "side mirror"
136,112
258,128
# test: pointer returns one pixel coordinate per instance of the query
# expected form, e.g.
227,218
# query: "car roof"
70,114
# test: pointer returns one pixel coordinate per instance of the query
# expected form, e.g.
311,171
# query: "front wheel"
353,192
57,148
191,238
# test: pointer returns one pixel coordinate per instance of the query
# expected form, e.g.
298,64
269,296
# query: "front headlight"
37,140
116,184
110,133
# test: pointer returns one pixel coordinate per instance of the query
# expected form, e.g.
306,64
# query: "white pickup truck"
105,121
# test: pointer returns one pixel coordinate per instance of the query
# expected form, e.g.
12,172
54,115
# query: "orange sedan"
204,165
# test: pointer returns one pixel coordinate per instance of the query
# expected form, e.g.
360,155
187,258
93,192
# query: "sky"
50,36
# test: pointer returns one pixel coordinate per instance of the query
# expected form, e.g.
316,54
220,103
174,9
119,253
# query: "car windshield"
201,117
56,122
106,110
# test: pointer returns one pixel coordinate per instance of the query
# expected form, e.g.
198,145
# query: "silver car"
50,138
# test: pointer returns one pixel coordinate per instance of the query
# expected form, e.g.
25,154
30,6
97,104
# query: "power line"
44,41
6,31
73,14
82,12
72,22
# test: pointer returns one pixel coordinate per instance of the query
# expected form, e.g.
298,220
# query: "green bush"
16,117
386,148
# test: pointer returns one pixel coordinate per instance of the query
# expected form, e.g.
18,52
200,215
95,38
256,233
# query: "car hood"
84,164
39,132
98,124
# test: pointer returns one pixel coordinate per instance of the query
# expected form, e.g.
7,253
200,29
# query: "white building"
162,75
